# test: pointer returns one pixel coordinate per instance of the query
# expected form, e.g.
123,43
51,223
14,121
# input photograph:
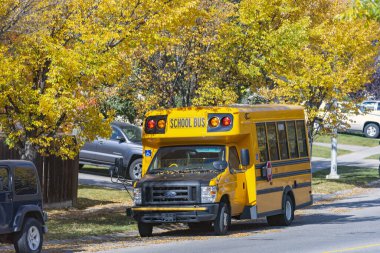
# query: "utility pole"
334,151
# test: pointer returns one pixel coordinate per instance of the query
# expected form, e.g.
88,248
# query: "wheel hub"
288,210
34,238
137,170
371,131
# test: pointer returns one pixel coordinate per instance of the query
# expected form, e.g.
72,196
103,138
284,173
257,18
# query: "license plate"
168,217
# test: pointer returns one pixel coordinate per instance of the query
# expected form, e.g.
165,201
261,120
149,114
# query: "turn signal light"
214,122
226,121
161,123
151,124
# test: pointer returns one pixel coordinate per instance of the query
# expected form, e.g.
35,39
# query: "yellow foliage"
58,59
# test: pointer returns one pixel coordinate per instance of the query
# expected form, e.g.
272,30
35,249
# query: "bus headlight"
137,196
208,194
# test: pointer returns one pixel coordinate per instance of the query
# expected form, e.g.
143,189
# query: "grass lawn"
350,177
349,139
373,157
325,152
99,211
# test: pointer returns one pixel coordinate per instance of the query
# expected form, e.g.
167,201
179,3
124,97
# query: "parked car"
22,220
124,143
366,122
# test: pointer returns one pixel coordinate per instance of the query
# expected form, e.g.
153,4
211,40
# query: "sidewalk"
356,158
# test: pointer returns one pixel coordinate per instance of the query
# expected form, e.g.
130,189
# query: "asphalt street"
349,225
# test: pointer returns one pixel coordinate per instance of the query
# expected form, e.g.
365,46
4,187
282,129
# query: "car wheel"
145,229
135,169
371,130
286,218
223,219
30,238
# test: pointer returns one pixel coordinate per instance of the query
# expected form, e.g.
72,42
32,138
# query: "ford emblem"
170,194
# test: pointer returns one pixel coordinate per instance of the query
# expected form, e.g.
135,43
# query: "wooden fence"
59,178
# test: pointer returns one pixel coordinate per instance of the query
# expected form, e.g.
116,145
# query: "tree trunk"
28,152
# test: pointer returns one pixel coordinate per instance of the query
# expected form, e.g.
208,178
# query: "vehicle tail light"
214,122
226,121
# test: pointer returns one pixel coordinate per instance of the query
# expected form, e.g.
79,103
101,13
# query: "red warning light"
151,124
226,121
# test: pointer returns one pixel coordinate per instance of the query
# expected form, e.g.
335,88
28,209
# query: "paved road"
350,225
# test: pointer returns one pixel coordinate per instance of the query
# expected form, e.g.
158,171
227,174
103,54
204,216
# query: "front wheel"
286,218
30,238
145,229
371,130
223,219
135,169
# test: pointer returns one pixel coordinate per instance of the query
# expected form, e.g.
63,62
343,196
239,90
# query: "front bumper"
173,214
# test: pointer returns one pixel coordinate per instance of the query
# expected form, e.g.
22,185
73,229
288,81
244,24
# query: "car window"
25,181
4,180
133,133
369,106
115,133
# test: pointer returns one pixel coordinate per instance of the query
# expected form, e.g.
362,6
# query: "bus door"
238,196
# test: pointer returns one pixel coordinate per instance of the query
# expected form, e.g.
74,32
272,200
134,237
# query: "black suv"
22,220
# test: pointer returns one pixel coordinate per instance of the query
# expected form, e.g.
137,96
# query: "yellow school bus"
205,165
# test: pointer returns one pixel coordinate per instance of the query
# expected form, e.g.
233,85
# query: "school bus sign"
203,166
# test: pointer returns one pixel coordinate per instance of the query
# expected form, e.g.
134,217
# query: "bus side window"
301,136
292,139
282,140
233,158
262,141
272,140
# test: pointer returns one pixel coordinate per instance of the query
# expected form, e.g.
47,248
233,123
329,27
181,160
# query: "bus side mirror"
244,153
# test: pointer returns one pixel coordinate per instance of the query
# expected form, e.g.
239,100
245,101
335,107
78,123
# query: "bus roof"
243,108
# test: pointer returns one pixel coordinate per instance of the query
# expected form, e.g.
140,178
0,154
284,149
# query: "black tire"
200,226
30,238
145,229
135,169
371,130
223,219
286,218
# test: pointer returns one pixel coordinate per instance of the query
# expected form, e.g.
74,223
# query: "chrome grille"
171,194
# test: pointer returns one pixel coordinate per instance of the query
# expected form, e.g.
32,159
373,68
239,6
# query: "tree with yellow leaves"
302,52
57,59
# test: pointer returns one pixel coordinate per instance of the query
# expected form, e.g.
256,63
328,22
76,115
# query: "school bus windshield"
186,159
